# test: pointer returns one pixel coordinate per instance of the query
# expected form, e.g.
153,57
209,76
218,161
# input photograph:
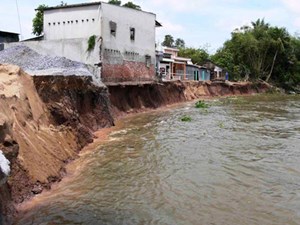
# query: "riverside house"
217,72
117,43
120,39
173,67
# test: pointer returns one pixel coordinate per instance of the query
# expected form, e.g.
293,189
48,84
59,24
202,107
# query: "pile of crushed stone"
34,63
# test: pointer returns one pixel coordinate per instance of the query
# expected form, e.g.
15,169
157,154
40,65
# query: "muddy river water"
236,162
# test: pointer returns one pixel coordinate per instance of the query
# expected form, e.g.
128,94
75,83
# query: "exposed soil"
45,121
135,98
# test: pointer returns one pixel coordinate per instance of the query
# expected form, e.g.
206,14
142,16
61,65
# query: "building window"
49,24
132,33
113,28
76,21
54,23
82,20
64,22
93,20
148,61
58,23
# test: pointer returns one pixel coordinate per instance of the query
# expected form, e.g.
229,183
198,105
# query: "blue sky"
201,23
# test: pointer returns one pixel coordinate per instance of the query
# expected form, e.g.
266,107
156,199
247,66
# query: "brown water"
237,162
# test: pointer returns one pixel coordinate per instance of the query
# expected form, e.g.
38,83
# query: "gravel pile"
36,64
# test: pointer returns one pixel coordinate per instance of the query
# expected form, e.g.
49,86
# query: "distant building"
7,37
198,73
125,38
173,67
216,71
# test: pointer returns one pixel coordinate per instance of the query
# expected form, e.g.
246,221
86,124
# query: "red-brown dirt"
45,121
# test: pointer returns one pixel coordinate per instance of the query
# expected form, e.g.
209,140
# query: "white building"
124,38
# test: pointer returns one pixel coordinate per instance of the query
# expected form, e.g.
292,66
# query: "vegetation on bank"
186,119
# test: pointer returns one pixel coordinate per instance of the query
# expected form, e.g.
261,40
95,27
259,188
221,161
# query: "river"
236,162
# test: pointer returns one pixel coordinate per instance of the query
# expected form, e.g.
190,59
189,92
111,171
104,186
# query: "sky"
200,23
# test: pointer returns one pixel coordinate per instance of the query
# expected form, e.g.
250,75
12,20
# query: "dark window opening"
49,24
87,20
132,33
113,28
76,21
64,22
93,20
148,61
53,23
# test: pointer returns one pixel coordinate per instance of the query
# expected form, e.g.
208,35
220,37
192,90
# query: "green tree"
261,51
132,6
38,20
179,43
197,55
168,41
62,3
114,2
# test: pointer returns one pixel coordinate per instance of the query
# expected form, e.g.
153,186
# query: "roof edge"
71,6
88,4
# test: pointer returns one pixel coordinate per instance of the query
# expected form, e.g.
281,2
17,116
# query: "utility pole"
21,36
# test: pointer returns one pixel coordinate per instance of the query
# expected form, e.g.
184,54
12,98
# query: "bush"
91,43
186,119
201,104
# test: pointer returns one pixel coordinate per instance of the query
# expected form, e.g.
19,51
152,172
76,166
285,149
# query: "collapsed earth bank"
46,120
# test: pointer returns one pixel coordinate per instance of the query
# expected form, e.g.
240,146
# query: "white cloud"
178,6
292,5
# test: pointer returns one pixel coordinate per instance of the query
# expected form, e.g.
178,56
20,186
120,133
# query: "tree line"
197,55
261,51
256,52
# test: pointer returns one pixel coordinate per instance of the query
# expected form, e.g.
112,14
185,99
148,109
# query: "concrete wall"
125,59
70,23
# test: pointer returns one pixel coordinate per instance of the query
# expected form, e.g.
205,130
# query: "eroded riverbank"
46,120
236,162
